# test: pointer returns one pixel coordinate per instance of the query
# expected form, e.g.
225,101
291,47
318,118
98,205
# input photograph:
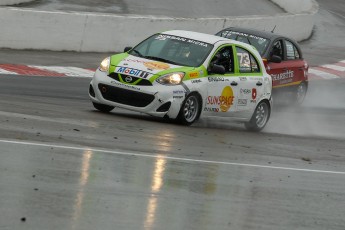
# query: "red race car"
283,60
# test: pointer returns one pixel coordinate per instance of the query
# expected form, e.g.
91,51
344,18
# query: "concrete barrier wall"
297,6
13,2
31,29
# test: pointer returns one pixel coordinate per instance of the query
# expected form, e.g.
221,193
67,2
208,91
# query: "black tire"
260,117
190,109
103,108
301,92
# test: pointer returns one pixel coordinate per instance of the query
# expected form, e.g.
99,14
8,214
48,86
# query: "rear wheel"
301,92
103,108
260,117
190,109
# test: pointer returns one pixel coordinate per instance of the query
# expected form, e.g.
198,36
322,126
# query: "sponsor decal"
134,60
254,94
247,35
196,81
177,97
178,92
245,91
242,102
132,72
217,79
194,75
256,79
224,101
243,79
283,76
156,65
208,109
124,85
163,37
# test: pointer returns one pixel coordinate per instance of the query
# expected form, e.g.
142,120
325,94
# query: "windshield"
259,43
173,49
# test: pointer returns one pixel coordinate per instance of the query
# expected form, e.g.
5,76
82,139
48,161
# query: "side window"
224,57
277,49
247,62
291,51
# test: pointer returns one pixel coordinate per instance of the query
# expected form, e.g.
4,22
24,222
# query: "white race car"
182,75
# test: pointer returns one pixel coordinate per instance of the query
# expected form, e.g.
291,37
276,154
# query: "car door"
251,84
279,71
295,64
222,89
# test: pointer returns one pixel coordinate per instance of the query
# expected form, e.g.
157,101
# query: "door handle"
259,83
234,83
301,68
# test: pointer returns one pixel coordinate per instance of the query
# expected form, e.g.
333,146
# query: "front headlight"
104,67
171,78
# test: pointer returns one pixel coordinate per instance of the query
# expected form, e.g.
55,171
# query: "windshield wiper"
137,52
162,59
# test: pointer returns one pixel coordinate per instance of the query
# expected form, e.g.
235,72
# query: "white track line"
170,158
2,71
68,71
322,74
335,67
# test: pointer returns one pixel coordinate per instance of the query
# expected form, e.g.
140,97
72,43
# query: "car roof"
259,33
207,38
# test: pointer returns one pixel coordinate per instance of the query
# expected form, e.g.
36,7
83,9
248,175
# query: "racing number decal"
244,59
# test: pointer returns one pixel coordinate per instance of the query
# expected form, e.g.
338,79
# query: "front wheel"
103,108
260,117
190,109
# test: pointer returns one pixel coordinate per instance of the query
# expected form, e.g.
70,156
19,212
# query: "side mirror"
128,48
217,69
275,59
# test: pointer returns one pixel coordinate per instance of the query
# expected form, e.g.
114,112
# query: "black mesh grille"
124,96
116,76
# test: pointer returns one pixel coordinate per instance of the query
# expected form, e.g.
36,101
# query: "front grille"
125,96
122,78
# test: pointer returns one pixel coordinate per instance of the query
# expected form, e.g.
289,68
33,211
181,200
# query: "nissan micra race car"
181,75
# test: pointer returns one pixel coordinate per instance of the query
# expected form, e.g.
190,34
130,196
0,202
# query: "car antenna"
273,29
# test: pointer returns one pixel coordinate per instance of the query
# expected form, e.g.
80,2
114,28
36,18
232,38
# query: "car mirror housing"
128,48
217,69
275,59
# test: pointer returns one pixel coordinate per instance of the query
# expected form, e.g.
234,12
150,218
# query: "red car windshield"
259,43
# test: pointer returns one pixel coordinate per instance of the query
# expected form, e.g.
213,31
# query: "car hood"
139,67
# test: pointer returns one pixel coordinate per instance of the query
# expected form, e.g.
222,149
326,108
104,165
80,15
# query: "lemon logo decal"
156,65
227,98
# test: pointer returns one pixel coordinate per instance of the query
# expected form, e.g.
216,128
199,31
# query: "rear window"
259,43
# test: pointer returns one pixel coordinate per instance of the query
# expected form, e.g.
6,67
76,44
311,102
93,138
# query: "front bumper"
156,100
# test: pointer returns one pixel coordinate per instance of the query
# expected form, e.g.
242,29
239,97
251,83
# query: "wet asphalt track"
66,166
